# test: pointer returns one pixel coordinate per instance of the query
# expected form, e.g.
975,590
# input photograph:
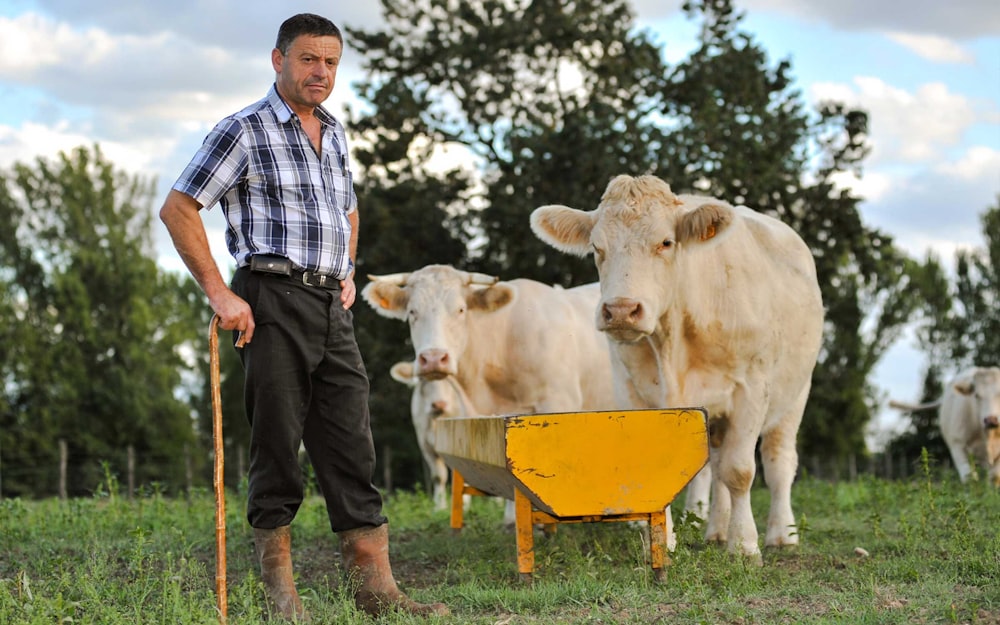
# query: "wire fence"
69,476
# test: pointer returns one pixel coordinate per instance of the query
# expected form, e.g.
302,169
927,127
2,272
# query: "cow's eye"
666,244
412,314
598,253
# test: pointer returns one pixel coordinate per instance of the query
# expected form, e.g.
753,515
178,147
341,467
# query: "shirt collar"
284,113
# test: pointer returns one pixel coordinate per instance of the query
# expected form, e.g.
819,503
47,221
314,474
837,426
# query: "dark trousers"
305,383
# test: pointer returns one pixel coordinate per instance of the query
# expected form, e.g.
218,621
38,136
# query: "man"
280,171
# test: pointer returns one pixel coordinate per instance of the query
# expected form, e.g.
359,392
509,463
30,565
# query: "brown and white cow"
432,399
707,304
969,418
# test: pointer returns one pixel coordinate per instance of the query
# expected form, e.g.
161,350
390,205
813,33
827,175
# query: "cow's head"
984,388
639,235
436,302
431,398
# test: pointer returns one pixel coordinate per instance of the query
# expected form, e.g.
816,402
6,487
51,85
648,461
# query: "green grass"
933,545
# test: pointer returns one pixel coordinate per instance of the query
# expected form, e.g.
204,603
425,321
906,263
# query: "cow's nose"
621,311
438,407
432,361
991,422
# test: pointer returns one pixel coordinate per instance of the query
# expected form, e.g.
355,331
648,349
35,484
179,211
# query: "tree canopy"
94,329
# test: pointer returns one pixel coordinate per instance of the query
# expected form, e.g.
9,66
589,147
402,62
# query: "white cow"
430,400
708,305
515,347
969,418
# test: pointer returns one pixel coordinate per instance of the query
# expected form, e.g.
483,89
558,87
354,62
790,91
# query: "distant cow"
969,418
711,305
430,400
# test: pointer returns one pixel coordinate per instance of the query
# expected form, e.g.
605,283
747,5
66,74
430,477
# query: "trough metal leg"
658,555
525,538
457,496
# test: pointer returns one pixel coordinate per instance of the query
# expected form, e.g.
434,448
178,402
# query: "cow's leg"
720,503
780,460
671,535
737,469
509,514
697,496
736,436
439,493
960,460
439,474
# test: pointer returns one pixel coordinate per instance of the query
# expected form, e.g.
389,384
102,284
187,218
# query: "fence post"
63,462
241,467
387,467
130,451
188,472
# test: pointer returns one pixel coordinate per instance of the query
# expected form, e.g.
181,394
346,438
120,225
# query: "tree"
967,327
550,99
96,328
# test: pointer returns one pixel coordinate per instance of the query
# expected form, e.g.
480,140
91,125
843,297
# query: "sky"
146,80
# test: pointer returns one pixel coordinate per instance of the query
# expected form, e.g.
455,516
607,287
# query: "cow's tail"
899,405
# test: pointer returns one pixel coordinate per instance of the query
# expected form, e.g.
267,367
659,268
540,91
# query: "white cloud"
32,140
873,186
30,44
979,164
967,19
906,127
937,207
933,47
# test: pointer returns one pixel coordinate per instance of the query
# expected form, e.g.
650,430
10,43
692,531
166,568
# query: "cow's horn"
398,279
482,278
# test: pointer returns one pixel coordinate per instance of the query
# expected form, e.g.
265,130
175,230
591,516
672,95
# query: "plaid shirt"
278,196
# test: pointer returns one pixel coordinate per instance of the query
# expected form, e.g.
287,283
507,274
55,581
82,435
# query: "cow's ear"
491,298
403,372
388,300
564,228
964,387
704,223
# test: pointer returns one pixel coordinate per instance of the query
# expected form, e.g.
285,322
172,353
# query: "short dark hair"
305,24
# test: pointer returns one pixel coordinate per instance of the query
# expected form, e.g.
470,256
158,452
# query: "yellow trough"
580,467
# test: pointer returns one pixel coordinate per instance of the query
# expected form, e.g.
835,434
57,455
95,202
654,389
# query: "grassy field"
933,557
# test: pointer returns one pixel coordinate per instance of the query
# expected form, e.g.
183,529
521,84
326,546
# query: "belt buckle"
308,275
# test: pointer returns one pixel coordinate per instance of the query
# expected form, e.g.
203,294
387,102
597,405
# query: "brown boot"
274,548
365,552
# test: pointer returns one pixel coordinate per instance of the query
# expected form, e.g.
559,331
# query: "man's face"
306,74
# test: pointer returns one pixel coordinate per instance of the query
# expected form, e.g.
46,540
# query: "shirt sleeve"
217,167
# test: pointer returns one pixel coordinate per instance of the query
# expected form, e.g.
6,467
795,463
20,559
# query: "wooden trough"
581,467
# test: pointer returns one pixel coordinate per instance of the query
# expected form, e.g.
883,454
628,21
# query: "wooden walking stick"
218,473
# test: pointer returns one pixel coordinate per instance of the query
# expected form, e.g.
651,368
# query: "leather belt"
280,267
321,281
